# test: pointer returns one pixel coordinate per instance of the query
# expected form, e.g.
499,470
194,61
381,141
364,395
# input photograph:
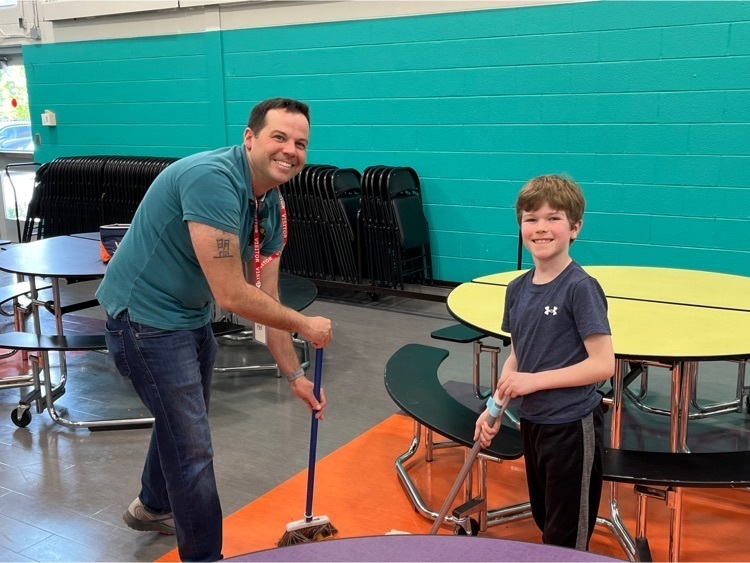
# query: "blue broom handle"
313,435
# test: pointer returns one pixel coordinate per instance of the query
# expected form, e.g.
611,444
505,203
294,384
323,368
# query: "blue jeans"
171,372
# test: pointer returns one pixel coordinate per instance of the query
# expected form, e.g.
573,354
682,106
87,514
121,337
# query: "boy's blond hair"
559,192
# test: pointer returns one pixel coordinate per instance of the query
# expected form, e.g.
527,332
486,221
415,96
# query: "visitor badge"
259,333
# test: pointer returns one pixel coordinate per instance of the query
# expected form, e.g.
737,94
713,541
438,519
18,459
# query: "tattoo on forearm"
222,246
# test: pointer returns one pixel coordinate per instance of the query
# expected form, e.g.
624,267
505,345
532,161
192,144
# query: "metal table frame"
57,258
296,293
643,330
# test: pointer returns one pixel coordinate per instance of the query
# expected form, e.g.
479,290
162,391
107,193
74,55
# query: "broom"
319,527
496,411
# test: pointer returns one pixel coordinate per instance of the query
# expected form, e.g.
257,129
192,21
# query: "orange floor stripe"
358,489
351,488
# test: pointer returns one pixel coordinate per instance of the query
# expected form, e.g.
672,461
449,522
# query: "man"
201,219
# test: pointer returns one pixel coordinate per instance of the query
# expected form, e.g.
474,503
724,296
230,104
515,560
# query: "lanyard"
256,239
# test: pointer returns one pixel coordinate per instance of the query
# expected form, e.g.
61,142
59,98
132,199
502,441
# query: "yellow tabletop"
640,329
665,285
479,306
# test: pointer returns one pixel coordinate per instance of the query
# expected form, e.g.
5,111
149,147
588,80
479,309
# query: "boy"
561,347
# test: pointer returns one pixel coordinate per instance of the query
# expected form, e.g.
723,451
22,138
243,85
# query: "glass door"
16,146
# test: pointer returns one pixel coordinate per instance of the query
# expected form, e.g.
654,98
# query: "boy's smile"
547,234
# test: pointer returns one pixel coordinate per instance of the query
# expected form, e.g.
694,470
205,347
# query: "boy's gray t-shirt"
548,324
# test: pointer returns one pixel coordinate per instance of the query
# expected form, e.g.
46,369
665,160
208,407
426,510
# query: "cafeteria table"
53,258
407,547
78,257
296,293
664,285
675,286
676,334
58,258
91,236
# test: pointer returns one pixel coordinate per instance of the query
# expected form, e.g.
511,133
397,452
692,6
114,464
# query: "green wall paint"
646,104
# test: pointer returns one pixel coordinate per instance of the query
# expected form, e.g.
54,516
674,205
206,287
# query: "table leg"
675,525
621,367
59,327
689,373
38,330
615,522
34,304
52,393
674,407
683,379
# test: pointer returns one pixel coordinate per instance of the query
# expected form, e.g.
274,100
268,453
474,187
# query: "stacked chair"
65,198
349,227
124,181
395,234
322,206
78,194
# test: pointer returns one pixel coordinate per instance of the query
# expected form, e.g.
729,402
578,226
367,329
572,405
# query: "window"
15,139
15,127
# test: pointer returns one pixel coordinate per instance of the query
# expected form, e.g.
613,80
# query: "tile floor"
63,491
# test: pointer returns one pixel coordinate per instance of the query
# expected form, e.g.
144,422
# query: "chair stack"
346,226
349,227
78,194
322,206
66,198
395,235
124,183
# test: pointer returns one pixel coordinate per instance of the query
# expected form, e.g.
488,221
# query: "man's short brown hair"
559,192
257,119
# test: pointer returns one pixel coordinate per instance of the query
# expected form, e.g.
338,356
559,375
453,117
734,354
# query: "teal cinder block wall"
645,104
159,96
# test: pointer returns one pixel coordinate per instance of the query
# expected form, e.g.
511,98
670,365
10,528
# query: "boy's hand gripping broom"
496,411
319,527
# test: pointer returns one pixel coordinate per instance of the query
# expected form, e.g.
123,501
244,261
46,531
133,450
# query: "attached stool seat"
463,334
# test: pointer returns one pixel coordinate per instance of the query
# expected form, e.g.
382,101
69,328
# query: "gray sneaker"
139,518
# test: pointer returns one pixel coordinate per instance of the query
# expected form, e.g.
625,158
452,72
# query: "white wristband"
294,375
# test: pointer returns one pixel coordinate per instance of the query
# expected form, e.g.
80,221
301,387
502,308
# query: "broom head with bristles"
307,530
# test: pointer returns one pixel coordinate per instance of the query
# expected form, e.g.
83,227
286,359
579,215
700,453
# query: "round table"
646,330
663,285
420,548
295,292
673,334
677,318
57,258
78,257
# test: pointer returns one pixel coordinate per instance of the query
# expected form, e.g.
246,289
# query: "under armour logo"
550,310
